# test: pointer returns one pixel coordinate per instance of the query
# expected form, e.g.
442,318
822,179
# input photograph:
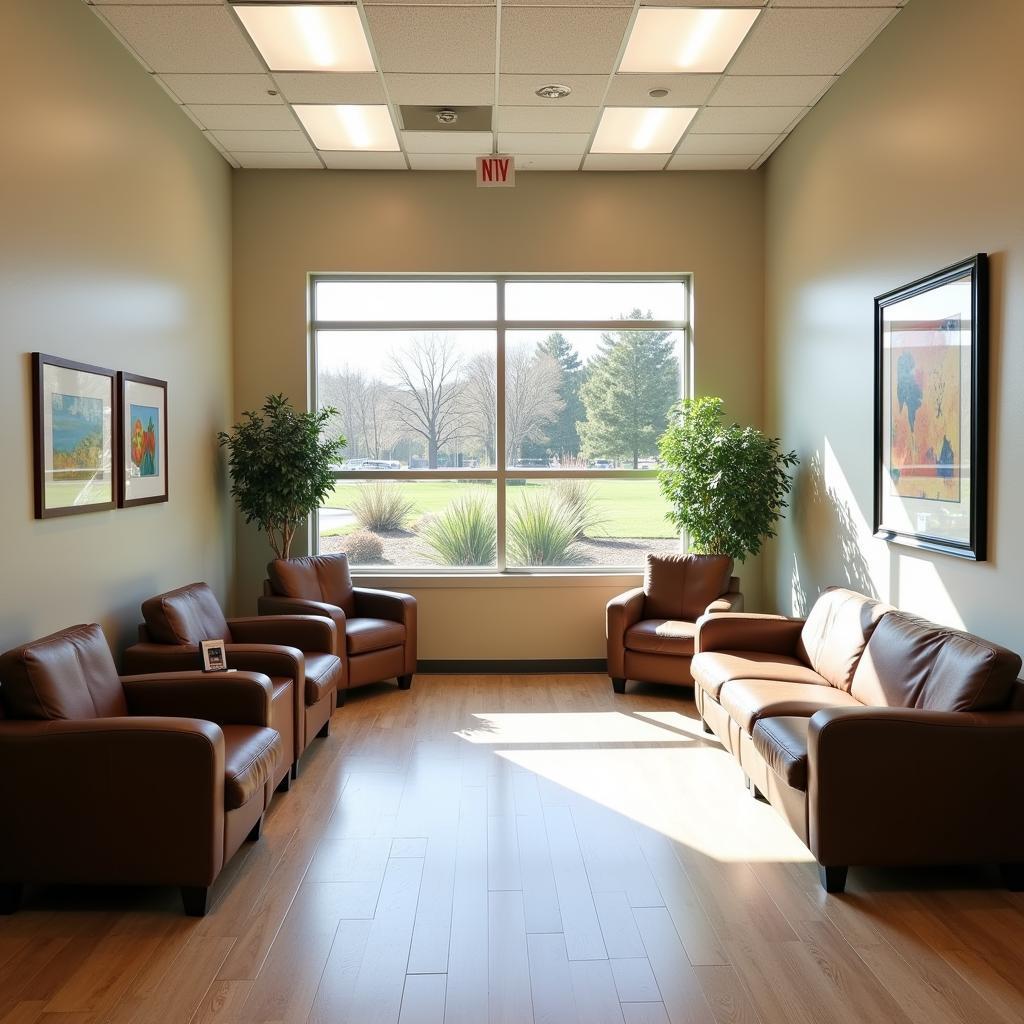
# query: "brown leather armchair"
151,780
376,628
295,651
651,629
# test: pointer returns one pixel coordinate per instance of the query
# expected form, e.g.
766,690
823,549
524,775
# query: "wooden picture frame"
931,411
74,427
142,477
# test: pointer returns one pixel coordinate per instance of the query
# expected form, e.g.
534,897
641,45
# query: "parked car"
602,464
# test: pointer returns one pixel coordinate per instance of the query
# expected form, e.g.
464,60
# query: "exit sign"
495,172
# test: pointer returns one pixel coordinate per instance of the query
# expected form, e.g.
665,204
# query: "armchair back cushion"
912,663
836,632
69,675
323,578
682,586
187,615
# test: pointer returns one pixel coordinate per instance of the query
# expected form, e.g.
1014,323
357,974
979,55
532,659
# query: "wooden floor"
516,849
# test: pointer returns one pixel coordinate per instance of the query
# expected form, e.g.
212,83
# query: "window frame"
501,473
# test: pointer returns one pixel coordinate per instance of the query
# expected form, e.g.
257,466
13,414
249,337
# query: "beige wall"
287,224
913,161
115,250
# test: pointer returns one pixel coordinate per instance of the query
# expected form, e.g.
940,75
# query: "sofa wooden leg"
295,769
256,831
833,877
195,899
405,682
10,897
619,685
707,728
285,784
325,730
1013,876
339,699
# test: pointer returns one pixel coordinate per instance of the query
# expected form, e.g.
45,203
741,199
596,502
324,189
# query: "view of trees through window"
458,418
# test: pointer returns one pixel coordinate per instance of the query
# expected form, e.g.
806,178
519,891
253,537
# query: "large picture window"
501,424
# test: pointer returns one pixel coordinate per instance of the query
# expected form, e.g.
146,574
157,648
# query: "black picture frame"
125,499
949,512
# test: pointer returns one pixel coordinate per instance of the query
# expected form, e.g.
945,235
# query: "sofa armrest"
112,800
233,698
396,607
746,631
904,786
306,632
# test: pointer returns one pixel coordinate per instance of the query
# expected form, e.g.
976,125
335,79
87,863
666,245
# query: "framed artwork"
931,411
75,436
214,655
142,479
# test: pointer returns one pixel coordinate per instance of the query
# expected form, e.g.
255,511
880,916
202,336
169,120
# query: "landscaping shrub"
363,547
542,531
579,499
382,506
464,533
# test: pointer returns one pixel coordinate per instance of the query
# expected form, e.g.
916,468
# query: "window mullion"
499,433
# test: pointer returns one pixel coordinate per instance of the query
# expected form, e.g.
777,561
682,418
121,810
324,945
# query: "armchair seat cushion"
661,636
782,742
363,635
749,700
713,669
323,673
250,757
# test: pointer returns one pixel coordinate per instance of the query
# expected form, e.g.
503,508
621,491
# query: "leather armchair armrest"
306,632
231,698
269,659
396,607
275,605
621,612
148,657
732,602
725,631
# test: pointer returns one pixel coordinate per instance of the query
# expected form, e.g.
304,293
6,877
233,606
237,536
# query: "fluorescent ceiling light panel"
308,37
669,39
641,129
347,126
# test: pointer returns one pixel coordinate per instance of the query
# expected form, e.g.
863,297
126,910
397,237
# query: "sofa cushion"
748,700
782,742
315,578
323,673
713,669
187,615
682,586
912,663
836,632
363,635
250,757
661,636
68,675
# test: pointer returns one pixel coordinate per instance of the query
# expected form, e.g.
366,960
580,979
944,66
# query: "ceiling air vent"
446,119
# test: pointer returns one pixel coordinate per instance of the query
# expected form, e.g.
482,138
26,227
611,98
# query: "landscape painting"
77,437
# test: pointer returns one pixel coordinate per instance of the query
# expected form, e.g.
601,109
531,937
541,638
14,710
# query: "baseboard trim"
512,667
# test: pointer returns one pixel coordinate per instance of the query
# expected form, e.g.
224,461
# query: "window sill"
500,581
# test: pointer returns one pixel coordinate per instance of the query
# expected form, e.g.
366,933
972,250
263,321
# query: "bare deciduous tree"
479,402
532,378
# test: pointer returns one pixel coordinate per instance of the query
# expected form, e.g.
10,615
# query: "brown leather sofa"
651,629
376,628
145,780
883,739
295,651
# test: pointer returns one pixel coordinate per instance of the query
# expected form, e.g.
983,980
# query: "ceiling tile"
364,161
442,162
152,3
770,90
458,39
263,142
505,4
278,160
521,90
721,145
547,119
745,119
839,3
429,3
441,90
711,163
578,40
704,3
185,39
550,162
547,144
683,90
222,88
243,117
328,87
806,42
624,162
477,143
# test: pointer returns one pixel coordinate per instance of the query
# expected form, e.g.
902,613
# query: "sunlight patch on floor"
567,727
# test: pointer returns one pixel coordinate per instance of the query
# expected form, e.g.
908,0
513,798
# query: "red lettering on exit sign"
495,172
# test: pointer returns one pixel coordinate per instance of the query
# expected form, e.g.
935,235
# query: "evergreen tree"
631,385
563,437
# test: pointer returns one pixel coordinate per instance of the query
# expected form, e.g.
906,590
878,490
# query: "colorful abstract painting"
925,457
145,420
77,438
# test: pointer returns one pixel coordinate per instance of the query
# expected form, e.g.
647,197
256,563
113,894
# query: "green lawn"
630,508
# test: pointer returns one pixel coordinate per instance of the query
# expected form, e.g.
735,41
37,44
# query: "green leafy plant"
727,484
363,547
381,505
280,464
543,531
464,533
579,499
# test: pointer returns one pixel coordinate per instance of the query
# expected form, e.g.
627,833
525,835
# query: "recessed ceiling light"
307,37
667,39
657,94
553,91
641,129
349,126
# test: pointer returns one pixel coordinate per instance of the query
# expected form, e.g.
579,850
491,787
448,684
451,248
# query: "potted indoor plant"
726,484
281,467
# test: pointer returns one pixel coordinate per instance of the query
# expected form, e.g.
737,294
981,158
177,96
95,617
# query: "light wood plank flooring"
518,849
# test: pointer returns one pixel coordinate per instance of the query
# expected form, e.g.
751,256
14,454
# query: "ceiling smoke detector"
657,94
553,92
446,116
